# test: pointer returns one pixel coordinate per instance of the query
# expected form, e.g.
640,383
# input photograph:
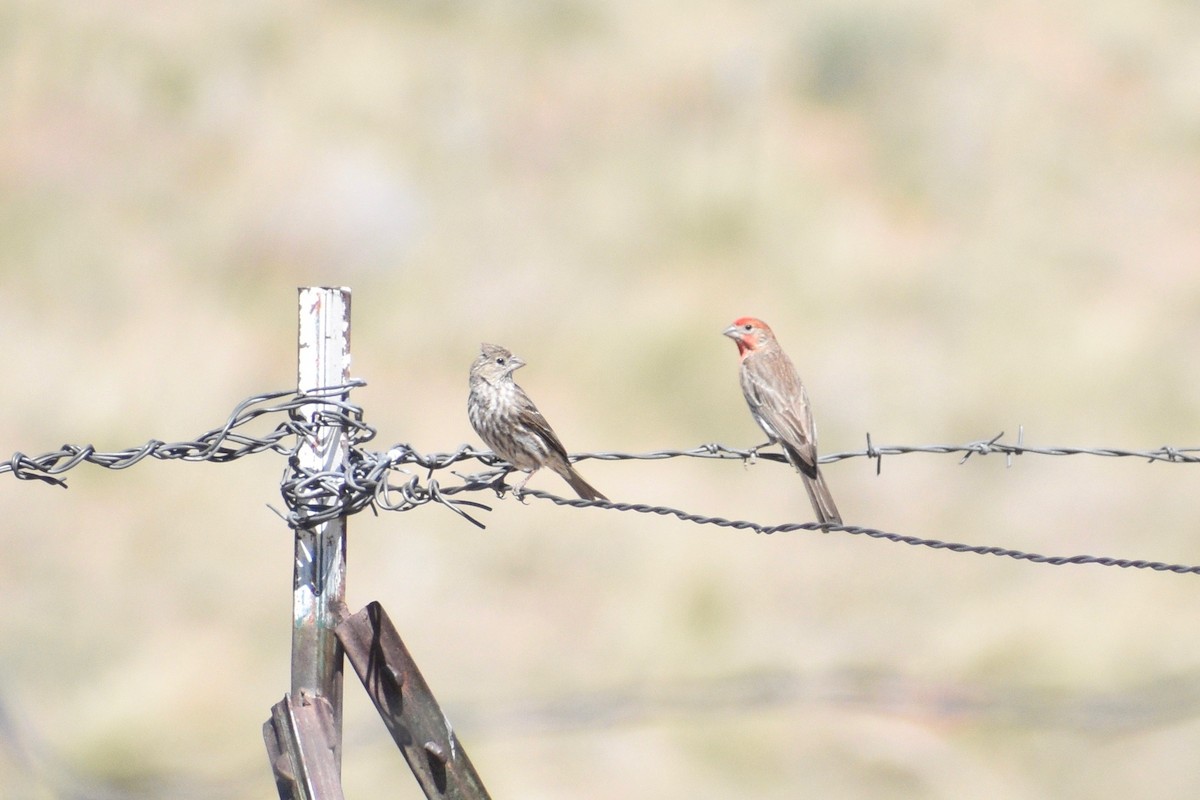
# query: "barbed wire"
873,533
223,444
982,447
367,480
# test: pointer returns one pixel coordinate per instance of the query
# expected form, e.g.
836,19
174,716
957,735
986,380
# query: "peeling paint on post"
319,584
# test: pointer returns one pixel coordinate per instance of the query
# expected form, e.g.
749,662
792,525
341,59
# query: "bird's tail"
581,487
822,500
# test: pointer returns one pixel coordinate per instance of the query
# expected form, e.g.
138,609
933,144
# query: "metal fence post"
319,584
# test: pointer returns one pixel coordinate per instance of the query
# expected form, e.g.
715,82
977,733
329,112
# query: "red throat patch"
747,341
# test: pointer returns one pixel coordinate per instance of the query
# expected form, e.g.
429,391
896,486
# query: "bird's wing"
778,398
530,415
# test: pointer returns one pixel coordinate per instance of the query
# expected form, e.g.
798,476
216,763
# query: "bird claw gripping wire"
749,457
501,487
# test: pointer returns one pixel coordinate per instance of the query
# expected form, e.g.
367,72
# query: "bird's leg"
752,458
520,487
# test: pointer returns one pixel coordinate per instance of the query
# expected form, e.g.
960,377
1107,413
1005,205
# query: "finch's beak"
515,363
733,332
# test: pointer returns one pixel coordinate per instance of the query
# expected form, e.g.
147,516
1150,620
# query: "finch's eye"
747,327
500,361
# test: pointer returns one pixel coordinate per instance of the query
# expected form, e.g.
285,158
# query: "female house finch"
509,423
780,406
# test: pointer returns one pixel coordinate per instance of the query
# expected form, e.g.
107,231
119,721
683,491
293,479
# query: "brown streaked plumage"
509,423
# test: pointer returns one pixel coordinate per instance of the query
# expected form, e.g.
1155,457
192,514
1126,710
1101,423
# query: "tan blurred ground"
959,218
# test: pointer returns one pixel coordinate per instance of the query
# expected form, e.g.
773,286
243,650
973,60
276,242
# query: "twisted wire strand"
873,533
222,444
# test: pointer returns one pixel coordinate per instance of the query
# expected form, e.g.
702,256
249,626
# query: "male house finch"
509,423
780,406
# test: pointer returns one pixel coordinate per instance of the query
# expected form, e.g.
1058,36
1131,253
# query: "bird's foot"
751,457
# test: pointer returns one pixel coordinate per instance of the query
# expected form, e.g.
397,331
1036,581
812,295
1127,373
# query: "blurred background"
958,219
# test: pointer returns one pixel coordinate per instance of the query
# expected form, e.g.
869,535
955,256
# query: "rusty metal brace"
408,707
